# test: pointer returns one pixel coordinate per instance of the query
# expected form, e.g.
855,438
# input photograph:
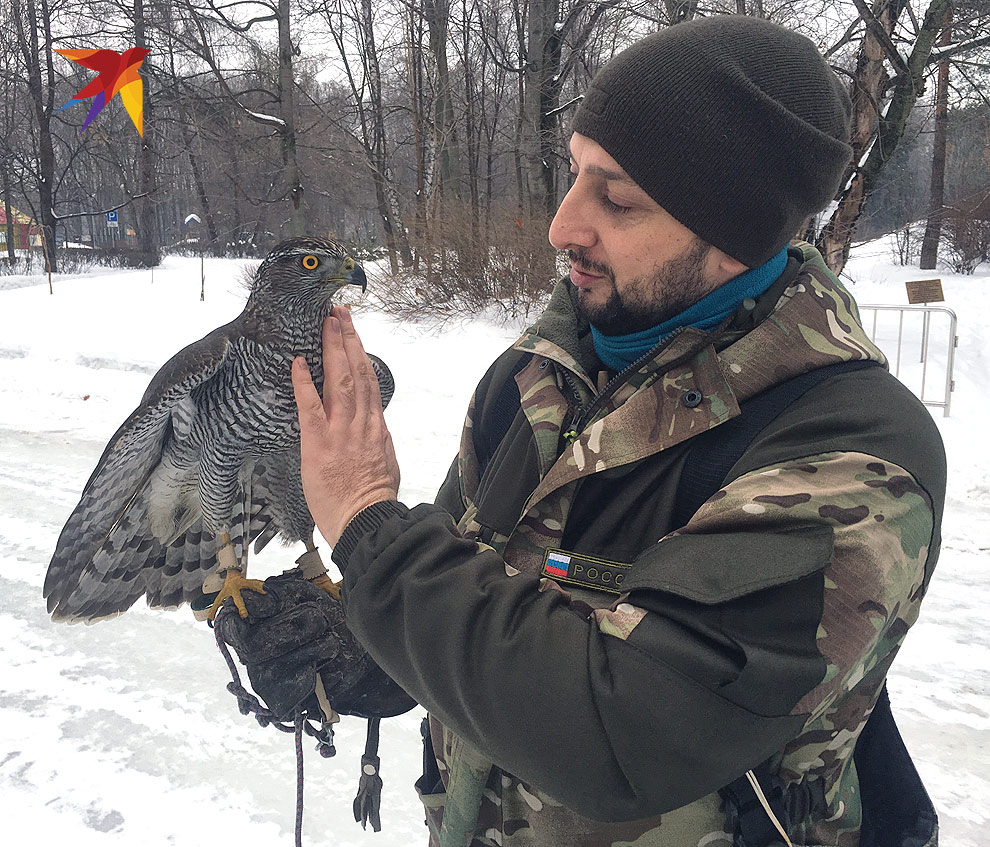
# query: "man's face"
633,264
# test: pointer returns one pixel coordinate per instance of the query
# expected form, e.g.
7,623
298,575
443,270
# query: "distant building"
27,232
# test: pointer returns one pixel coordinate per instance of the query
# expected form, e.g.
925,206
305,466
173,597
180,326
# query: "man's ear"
727,267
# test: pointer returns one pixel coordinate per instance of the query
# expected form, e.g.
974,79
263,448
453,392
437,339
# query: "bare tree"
448,114
146,228
352,25
216,18
882,103
555,41
32,25
10,69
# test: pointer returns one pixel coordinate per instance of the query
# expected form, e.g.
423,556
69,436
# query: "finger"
309,406
357,359
338,381
366,382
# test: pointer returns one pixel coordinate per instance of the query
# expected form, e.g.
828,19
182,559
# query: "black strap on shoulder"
712,454
897,811
488,434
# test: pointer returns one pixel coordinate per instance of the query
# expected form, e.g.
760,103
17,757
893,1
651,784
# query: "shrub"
464,268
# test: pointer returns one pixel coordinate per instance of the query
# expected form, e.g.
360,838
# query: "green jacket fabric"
606,701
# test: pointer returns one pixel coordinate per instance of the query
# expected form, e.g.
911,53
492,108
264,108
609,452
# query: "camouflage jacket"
566,712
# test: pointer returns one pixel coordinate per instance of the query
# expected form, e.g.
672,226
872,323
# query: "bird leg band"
311,564
226,560
225,555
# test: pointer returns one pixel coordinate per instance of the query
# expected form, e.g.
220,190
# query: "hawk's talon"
332,588
233,584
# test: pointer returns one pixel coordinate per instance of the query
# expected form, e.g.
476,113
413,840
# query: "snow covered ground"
122,733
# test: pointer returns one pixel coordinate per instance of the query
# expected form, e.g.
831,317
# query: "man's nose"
570,226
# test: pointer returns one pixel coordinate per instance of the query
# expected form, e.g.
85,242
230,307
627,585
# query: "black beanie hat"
736,126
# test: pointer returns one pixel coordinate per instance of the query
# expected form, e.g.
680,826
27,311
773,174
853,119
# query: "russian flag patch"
585,571
556,564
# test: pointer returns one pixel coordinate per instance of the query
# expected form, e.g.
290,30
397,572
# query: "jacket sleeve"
700,672
449,497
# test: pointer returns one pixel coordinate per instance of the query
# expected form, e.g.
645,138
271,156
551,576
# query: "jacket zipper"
572,409
583,416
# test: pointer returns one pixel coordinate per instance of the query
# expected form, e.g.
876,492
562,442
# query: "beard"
647,301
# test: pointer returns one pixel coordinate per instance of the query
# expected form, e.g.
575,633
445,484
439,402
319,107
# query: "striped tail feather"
131,563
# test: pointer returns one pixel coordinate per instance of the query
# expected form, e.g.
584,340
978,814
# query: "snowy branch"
244,27
950,50
202,50
563,107
271,120
59,217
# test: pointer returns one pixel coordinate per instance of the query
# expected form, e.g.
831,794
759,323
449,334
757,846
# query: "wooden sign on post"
924,291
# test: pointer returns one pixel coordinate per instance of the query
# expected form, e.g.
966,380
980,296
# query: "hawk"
209,461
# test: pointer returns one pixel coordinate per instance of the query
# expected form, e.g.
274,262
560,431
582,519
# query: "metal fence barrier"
900,346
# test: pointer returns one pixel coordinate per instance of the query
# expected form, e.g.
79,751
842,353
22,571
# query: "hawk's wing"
278,508
88,577
386,382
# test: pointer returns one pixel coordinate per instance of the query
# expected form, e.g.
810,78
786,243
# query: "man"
603,654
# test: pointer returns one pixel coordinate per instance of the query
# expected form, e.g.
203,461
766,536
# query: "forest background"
432,133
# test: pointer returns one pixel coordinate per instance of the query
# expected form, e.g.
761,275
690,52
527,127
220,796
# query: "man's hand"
294,631
348,461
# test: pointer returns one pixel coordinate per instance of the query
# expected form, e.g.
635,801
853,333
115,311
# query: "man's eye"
613,207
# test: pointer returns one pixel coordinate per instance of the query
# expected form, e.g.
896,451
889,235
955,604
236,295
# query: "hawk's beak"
357,277
349,273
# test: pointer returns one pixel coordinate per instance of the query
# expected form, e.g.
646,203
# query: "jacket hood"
813,306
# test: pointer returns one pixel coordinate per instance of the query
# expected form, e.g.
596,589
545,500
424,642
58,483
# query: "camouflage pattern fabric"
881,518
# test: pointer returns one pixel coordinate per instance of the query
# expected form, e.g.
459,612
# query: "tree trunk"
470,109
867,93
520,128
146,213
437,14
545,73
835,239
6,163
416,110
542,66
197,175
377,145
8,215
287,112
933,228
36,47
236,201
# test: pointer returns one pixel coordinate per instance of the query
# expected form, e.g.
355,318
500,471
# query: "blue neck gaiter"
619,351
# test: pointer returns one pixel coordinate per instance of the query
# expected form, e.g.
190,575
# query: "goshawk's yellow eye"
310,263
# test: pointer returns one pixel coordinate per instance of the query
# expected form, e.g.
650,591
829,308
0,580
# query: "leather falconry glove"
294,631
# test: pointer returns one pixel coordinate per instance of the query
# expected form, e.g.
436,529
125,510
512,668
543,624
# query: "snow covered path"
122,733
